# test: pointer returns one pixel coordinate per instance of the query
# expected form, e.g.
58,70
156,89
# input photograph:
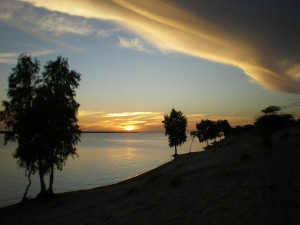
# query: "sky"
139,59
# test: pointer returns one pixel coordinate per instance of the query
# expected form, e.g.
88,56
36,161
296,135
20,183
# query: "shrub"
273,122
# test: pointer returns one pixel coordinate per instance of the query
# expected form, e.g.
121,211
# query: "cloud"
107,32
259,37
130,114
195,116
59,24
82,113
136,44
143,121
27,18
146,121
11,57
47,25
103,121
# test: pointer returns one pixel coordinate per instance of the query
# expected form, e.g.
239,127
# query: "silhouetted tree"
42,113
271,109
248,127
206,130
272,122
17,114
175,127
240,129
213,131
224,128
63,132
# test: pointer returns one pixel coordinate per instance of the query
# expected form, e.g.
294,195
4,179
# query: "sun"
129,128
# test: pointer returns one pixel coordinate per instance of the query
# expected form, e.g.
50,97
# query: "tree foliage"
208,130
271,109
175,128
58,98
272,122
17,113
42,113
224,128
240,129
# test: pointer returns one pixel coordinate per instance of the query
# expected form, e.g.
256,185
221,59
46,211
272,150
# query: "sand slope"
237,181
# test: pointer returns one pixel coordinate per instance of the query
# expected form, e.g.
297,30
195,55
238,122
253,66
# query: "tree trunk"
191,146
50,189
207,143
42,193
175,151
29,183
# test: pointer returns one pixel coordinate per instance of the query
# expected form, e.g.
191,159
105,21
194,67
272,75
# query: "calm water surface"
104,158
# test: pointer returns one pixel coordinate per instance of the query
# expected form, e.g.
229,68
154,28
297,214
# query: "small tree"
273,121
213,131
270,122
224,128
175,126
206,130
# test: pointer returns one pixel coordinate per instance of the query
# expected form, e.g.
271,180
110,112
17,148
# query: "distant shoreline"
104,132
109,132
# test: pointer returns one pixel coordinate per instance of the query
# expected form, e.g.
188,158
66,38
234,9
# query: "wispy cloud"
27,18
135,44
107,32
135,114
195,116
260,38
82,113
146,121
11,57
48,26
8,58
103,121
59,24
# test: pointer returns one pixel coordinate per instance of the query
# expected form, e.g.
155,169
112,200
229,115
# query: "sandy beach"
237,181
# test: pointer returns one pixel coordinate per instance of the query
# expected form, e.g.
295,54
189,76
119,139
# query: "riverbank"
241,180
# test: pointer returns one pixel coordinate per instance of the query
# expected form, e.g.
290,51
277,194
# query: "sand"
236,181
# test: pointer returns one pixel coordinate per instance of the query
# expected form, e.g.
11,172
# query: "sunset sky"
139,59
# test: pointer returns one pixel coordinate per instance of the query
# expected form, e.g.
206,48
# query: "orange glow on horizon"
129,128
146,121
120,121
